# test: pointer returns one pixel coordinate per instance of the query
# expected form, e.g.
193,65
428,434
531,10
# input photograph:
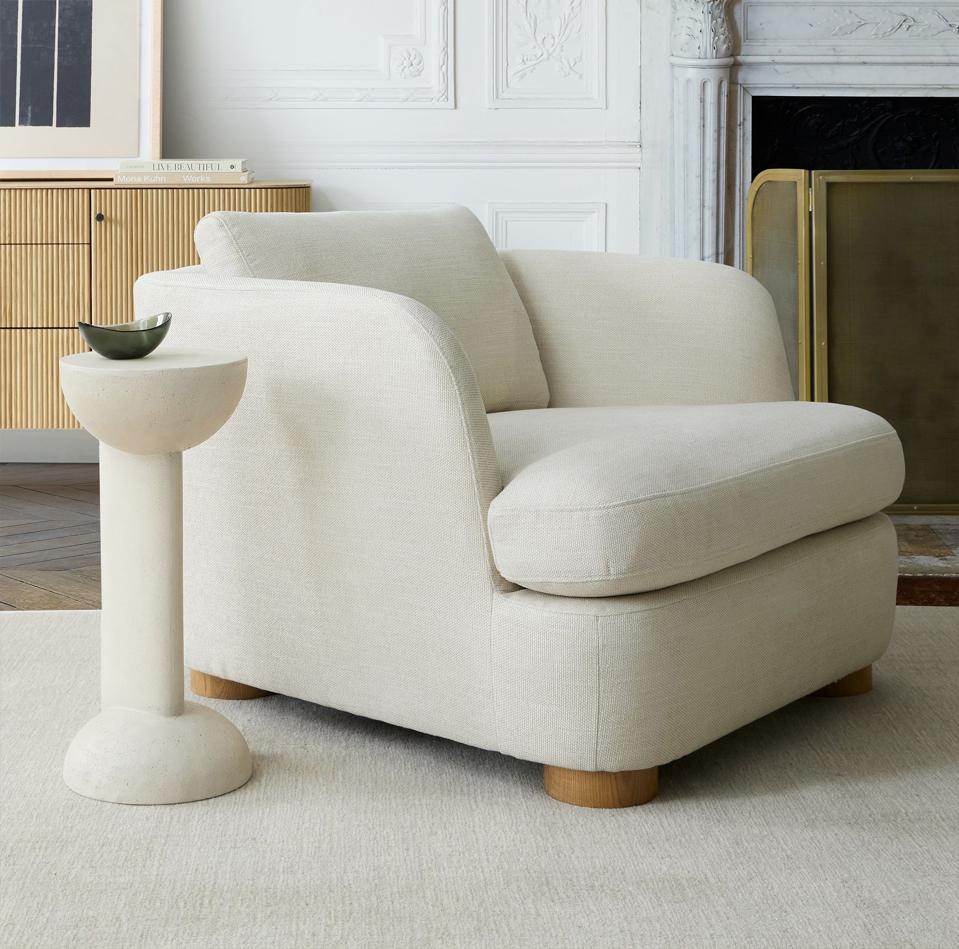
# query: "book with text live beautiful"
184,165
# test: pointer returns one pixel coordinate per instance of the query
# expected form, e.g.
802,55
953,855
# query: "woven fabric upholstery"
334,529
336,545
440,257
608,501
634,681
615,329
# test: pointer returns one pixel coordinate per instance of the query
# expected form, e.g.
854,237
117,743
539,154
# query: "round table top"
165,359
168,401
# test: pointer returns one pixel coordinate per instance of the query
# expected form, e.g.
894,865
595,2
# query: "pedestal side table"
148,746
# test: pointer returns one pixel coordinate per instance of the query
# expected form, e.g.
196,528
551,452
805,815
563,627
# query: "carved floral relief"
701,29
885,23
545,32
549,51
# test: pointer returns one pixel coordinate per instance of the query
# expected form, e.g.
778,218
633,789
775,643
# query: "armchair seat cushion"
610,501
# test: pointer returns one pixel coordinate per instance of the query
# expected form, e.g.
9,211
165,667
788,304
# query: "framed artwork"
80,84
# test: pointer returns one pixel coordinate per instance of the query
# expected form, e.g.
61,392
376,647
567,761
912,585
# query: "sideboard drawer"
44,285
44,215
30,394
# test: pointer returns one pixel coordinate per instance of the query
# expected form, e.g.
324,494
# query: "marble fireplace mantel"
724,52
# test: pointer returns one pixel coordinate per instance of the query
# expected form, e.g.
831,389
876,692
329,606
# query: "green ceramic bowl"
127,340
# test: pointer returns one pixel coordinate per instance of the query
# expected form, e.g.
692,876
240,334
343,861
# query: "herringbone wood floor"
50,543
49,537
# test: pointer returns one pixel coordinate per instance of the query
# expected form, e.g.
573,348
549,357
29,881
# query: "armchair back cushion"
617,329
441,257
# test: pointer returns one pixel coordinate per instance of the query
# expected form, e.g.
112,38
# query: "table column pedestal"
148,746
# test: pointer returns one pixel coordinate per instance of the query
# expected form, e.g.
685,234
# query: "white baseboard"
47,445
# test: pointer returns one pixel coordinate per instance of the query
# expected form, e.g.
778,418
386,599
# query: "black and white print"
45,63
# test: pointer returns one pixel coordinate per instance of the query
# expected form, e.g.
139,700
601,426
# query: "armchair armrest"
346,498
615,329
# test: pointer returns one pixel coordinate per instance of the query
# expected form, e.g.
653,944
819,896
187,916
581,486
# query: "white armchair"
672,549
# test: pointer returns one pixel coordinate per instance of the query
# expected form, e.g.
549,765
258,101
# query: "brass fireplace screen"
864,269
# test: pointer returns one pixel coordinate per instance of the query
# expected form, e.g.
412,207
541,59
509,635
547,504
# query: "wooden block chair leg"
856,683
601,788
213,687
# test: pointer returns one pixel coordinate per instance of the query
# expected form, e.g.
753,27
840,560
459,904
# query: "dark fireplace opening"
859,133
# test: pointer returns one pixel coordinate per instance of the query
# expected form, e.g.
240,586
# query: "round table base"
127,756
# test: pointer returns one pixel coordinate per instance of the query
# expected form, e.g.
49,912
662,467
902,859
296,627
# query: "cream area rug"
832,823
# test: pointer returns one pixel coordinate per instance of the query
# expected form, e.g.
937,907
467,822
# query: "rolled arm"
342,509
351,391
616,329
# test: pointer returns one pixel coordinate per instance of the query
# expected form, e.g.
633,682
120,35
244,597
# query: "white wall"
656,132
526,111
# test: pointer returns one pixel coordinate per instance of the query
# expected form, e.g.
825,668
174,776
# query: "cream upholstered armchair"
558,505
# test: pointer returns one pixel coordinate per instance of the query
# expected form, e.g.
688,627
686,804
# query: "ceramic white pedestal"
148,746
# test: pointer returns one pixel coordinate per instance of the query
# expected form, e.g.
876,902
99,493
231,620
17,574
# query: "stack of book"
182,171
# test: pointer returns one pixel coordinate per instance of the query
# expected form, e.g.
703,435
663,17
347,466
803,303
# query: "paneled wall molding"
327,92
414,70
702,47
547,54
453,154
563,226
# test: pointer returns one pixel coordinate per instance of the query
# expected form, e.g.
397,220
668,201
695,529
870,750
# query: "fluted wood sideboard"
71,250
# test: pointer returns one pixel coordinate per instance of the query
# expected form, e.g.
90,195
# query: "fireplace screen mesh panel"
777,254
886,313
872,265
